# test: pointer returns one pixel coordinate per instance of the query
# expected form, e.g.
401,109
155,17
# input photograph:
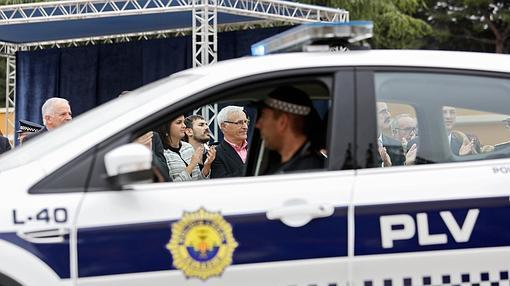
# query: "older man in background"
404,128
232,151
55,112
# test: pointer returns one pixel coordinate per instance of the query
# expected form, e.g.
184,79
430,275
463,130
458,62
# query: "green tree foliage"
474,25
394,24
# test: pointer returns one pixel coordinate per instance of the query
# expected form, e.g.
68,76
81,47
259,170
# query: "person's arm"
211,155
176,167
195,159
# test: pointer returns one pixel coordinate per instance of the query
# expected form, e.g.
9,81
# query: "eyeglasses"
239,122
408,129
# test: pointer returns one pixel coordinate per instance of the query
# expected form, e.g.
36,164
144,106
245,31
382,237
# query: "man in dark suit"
4,144
459,143
391,152
404,129
232,151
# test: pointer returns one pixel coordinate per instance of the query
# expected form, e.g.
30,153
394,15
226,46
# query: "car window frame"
366,119
215,93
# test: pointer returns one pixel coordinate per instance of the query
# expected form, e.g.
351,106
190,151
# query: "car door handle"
55,235
296,215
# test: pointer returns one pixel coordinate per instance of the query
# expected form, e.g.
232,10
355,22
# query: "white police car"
439,216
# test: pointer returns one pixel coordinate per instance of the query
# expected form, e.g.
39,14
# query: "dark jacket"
306,158
394,150
4,145
158,157
35,134
227,162
456,142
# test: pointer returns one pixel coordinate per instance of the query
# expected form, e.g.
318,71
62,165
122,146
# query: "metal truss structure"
204,26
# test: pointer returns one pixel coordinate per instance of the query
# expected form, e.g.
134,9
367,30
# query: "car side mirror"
128,164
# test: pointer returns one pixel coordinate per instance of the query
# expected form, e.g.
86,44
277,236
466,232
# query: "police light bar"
314,36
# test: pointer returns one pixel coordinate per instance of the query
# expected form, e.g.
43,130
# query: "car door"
288,229
38,222
442,218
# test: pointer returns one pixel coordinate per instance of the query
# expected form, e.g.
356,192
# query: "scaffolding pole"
205,50
10,88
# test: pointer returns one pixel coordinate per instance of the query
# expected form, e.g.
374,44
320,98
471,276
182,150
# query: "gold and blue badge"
202,244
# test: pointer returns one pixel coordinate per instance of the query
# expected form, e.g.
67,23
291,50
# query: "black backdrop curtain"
91,75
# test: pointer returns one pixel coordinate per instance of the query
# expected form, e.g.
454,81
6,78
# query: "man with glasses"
231,152
404,129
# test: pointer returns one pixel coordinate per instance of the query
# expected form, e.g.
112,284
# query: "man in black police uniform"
285,125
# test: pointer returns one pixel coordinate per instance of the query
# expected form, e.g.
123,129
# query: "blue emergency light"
314,37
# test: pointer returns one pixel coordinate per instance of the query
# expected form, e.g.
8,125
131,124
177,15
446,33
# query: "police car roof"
402,58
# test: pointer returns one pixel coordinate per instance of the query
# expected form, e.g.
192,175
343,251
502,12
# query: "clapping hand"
211,155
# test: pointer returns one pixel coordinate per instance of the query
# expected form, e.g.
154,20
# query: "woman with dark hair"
182,159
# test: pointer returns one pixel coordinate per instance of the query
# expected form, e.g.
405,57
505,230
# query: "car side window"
260,129
439,118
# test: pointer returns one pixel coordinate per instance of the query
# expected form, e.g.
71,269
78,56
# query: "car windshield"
89,121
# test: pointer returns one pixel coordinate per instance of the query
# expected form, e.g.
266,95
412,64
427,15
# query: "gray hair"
226,111
48,107
394,123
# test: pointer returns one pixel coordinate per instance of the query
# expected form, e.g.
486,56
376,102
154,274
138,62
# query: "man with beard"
231,152
284,124
390,150
197,134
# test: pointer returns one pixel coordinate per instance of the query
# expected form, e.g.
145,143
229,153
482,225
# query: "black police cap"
290,100
28,126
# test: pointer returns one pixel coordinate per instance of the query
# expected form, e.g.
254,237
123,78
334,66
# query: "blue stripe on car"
492,226
141,247
55,255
